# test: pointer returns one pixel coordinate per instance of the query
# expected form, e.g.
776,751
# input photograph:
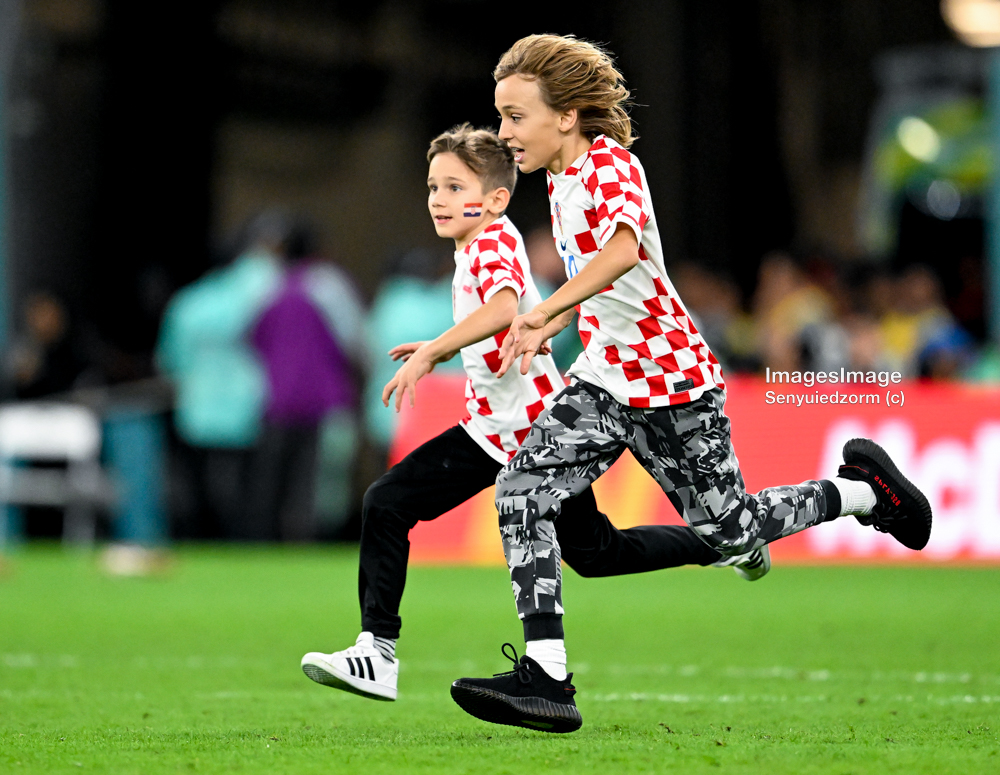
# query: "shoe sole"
529,712
346,683
919,508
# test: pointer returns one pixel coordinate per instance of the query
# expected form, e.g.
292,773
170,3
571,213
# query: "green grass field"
840,669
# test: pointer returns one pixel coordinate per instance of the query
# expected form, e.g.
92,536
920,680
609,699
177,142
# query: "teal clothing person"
406,309
203,349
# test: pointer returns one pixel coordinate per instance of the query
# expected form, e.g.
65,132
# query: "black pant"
451,468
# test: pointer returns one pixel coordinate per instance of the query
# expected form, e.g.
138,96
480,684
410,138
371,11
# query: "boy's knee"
588,568
510,508
510,492
379,501
374,497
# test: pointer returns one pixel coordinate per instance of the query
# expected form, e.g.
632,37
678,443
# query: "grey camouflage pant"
686,449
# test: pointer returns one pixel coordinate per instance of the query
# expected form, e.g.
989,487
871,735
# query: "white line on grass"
779,698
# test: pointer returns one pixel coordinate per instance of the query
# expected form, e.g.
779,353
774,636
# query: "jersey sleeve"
496,266
615,183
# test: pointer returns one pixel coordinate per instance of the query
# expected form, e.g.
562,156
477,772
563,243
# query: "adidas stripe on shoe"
360,669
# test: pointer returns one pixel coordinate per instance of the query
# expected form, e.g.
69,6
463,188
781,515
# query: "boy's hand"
418,364
404,351
525,339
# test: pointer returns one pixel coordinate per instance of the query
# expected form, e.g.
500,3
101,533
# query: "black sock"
833,503
543,627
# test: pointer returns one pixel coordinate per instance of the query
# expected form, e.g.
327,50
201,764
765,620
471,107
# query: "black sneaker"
901,510
527,697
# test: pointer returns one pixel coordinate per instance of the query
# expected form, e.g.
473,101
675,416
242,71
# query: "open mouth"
441,219
518,154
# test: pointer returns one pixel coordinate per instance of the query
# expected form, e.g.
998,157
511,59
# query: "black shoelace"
521,668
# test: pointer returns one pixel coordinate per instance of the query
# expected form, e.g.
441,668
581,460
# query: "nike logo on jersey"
568,258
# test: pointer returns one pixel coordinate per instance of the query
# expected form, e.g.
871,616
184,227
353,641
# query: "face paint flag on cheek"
473,209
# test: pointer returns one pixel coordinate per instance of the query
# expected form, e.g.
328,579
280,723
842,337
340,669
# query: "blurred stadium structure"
824,175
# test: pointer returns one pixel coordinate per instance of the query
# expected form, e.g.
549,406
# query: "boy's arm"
555,326
528,331
490,319
553,329
404,351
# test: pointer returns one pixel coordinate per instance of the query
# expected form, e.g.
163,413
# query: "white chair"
45,432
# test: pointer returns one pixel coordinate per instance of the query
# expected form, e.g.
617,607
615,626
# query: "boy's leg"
570,445
688,450
430,481
593,547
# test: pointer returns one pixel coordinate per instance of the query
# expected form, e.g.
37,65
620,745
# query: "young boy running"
646,382
471,177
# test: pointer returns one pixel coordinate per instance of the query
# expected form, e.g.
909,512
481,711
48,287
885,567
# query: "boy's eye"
456,188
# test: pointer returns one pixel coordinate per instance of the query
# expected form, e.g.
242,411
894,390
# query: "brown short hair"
489,157
574,73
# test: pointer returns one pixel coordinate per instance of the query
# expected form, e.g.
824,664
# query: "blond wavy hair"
489,157
574,73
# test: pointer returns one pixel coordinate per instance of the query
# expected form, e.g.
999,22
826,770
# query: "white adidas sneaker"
750,566
361,669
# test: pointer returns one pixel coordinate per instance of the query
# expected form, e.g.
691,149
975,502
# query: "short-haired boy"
470,180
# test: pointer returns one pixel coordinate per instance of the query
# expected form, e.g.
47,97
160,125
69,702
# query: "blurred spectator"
918,318
310,340
787,302
968,305
879,294
825,344
866,348
219,382
715,304
413,304
549,272
44,357
946,353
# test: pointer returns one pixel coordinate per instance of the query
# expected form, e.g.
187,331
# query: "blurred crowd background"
215,226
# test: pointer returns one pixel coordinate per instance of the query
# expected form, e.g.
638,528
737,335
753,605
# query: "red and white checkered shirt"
640,344
500,410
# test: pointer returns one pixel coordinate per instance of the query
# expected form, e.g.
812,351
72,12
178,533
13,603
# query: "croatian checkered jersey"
500,410
640,344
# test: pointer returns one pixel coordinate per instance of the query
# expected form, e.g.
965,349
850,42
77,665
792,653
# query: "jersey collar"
497,225
601,141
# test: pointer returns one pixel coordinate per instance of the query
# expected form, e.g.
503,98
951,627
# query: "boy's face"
531,128
455,198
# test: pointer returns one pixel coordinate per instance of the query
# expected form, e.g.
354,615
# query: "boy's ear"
497,200
568,119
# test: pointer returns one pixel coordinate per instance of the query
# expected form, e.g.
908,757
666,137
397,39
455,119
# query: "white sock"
857,499
550,654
